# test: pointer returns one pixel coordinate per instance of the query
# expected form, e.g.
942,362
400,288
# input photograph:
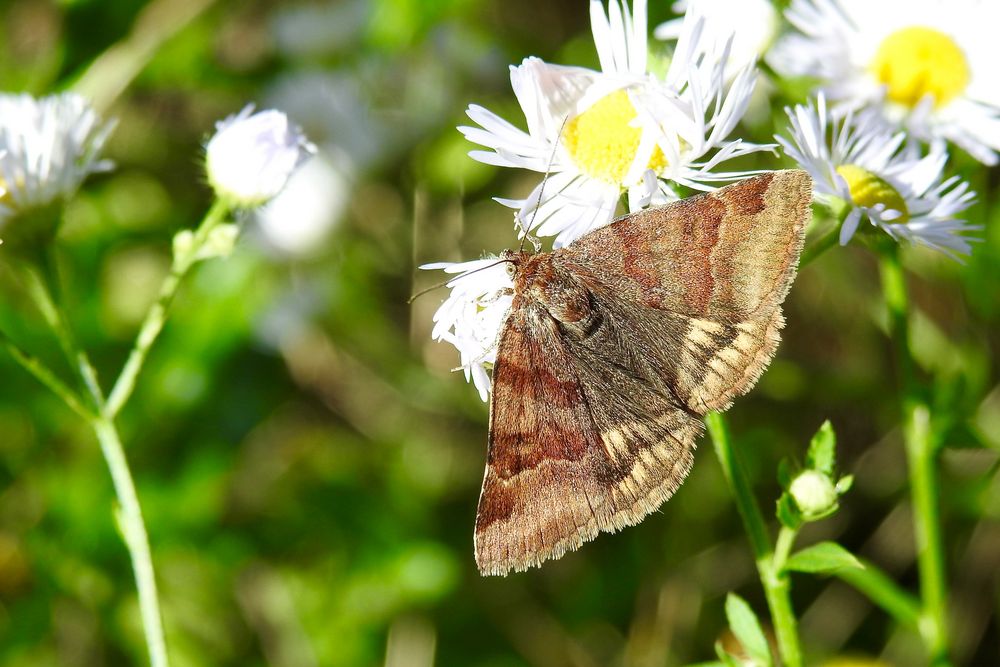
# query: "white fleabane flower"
932,62
619,130
863,161
48,146
472,315
751,24
251,156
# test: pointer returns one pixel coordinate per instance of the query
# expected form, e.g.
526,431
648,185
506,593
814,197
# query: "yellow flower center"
603,144
917,61
868,189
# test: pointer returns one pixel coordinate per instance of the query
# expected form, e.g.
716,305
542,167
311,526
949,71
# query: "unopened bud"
252,155
814,493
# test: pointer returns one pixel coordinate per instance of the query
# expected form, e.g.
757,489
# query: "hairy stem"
777,586
921,455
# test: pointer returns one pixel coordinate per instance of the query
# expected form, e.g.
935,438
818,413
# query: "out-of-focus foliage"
309,466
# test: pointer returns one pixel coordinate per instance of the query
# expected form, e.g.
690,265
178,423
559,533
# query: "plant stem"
136,540
42,373
152,325
777,586
753,521
924,488
40,293
102,423
102,417
817,245
786,539
884,592
921,454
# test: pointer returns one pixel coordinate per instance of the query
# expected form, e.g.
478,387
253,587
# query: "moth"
613,350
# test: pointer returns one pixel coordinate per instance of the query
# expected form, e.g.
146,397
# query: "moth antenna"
444,283
541,191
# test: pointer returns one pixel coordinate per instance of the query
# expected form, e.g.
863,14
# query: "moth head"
512,260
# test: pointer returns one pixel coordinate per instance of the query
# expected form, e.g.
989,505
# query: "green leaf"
844,484
785,474
822,449
744,624
825,557
788,512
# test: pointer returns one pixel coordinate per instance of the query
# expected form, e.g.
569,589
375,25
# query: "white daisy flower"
618,130
862,161
252,155
472,315
933,63
751,24
47,147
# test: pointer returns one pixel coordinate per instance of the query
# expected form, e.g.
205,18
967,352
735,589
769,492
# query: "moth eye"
510,269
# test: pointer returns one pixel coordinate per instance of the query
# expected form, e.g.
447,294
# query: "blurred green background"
309,465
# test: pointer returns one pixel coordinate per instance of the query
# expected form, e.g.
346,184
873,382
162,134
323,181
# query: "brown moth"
615,347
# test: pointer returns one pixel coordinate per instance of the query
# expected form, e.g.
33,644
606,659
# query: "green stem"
136,540
884,592
783,548
924,488
777,586
819,244
921,454
152,325
753,520
777,590
41,294
130,515
42,373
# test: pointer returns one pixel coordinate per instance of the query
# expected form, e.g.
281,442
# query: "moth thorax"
566,299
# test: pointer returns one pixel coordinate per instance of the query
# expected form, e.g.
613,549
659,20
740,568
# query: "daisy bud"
252,155
814,493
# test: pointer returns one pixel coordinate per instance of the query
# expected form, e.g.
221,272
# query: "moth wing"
727,255
592,429
701,281
572,451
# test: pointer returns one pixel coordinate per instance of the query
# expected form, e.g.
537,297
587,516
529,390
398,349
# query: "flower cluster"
601,136
894,85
